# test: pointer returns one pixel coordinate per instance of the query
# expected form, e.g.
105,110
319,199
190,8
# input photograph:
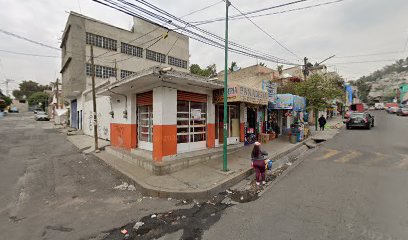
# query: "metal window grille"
100,41
177,62
155,56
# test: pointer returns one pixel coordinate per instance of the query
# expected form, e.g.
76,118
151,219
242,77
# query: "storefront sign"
289,101
237,93
271,88
195,114
299,103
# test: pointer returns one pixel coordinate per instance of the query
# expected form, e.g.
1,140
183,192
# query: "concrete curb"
206,193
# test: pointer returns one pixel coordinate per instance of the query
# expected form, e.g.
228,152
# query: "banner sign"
238,93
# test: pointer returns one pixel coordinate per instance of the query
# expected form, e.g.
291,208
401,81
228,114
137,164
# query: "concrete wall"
250,76
123,130
103,108
22,107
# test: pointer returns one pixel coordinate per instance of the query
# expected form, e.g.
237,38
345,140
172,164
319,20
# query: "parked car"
37,110
402,111
41,116
13,110
356,119
392,110
372,108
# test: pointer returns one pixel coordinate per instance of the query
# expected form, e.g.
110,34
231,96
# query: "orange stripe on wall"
123,135
210,135
164,141
241,132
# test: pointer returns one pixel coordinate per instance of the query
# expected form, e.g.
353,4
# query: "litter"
138,225
242,198
183,217
228,191
169,199
289,164
124,231
153,216
184,201
131,188
123,186
93,190
212,214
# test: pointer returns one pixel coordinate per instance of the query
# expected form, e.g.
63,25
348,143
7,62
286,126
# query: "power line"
192,34
369,61
369,54
201,9
29,54
239,17
269,35
27,39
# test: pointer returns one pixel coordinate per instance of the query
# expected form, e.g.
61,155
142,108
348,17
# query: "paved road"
50,190
353,187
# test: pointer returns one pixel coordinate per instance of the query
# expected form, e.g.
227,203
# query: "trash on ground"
169,199
131,188
138,225
153,216
123,186
124,231
289,163
228,191
93,190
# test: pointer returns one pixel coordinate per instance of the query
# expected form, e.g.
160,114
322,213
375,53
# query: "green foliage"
7,102
209,71
319,90
38,98
27,88
233,64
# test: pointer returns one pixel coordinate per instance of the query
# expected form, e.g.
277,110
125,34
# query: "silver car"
41,116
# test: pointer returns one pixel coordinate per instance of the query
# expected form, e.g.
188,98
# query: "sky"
376,29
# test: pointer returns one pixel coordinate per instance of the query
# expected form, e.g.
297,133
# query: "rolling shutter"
192,97
144,99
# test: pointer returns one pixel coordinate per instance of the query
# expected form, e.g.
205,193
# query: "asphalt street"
351,187
51,190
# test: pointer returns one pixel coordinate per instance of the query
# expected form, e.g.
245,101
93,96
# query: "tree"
233,65
38,98
209,71
6,102
280,69
27,88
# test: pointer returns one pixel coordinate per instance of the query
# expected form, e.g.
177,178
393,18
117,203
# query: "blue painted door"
74,114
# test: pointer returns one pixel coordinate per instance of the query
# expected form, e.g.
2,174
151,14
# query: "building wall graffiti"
103,117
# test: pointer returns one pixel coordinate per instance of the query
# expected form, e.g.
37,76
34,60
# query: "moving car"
402,111
13,110
41,116
357,119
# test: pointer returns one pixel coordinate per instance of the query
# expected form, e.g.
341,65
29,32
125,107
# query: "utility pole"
305,68
95,123
7,81
224,155
56,95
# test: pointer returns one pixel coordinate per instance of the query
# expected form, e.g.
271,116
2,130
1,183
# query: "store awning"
157,76
239,93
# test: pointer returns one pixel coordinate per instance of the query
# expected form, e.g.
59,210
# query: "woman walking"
258,162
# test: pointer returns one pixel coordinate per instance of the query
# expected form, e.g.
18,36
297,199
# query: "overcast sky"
346,29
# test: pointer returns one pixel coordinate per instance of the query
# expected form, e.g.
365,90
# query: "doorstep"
143,158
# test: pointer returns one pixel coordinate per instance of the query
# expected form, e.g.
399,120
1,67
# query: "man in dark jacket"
322,122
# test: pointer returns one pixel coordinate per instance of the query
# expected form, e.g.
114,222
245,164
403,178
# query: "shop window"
145,123
191,121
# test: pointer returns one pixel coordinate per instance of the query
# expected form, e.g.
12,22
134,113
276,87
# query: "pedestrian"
258,163
322,122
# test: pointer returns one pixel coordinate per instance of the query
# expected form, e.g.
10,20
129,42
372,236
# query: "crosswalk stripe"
346,158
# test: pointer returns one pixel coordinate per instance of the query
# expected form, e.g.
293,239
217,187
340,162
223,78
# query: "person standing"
322,122
258,163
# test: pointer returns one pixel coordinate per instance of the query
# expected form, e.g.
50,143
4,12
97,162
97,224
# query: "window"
177,62
100,41
125,73
145,123
155,56
131,50
191,121
101,71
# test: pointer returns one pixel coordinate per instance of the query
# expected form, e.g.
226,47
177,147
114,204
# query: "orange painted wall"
210,135
241,132
123,135
164,141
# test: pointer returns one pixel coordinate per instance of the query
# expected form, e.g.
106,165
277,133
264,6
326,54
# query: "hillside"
381,85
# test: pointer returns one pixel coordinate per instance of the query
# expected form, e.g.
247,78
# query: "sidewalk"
204,179
332,127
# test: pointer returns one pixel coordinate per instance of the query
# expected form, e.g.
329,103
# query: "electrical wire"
201,9
239,17
29,54
147,15
27,39
269,35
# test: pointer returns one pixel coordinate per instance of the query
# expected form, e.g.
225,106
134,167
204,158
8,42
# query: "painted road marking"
330,153
346,158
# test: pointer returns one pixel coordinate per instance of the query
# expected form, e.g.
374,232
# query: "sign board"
196,114
271,88
238,93
299,103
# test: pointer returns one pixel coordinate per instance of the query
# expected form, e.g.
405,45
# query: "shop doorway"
232,124
251,134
